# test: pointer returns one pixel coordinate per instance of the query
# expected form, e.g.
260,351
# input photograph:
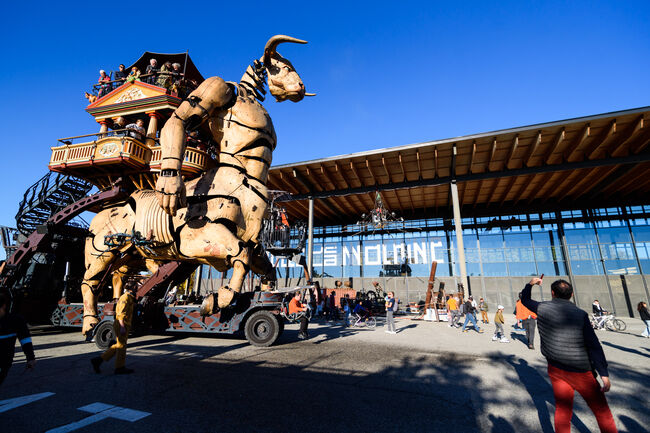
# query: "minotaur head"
284,81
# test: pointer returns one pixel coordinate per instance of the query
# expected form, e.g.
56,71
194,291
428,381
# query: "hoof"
88,324
225,297
207,306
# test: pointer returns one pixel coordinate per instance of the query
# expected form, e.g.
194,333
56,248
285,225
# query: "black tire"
262,328
371,295
281,323
352,321
371,322
104,335
619,325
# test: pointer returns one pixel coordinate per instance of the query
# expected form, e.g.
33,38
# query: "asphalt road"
426,378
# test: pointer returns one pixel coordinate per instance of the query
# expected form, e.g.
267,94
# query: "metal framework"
47,196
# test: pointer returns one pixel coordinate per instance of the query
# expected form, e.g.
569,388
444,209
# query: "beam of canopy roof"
595,161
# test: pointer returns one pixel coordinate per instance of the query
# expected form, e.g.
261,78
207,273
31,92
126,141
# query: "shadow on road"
626,349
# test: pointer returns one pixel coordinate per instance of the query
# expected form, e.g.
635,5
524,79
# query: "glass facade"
615,241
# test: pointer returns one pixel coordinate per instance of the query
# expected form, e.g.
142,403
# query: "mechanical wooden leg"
212,242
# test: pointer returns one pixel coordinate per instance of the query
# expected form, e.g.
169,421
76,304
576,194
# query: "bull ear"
273,43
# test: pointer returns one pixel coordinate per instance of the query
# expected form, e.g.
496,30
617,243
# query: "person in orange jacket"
528,320
296,307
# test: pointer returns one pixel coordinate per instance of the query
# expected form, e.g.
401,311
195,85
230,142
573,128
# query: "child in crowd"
499,334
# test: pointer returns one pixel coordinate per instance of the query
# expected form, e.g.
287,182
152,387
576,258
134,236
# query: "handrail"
100,135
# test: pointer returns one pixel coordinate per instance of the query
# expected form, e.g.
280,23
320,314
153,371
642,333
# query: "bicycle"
356,321
609,322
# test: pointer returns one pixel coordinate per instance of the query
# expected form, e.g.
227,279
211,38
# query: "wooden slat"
472,158
632,133
558,185
533,148
631,179
572,149
557,141
511,152
605,137
492,152
375,179
417,156
508,188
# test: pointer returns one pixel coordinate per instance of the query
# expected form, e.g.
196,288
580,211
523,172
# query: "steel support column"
602,262
636,255
565,252
459,234
310,239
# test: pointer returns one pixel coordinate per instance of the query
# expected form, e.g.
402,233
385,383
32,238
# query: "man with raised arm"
574,355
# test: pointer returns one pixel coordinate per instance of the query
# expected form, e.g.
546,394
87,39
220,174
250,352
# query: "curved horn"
310,94
272,44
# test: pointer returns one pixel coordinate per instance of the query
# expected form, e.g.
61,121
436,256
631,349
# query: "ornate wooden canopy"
595,161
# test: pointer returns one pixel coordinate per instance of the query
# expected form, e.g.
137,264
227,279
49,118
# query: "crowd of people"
169,76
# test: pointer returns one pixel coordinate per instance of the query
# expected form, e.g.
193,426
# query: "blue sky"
386,74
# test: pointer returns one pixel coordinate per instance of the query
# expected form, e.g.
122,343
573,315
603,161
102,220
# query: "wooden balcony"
108,157
196,162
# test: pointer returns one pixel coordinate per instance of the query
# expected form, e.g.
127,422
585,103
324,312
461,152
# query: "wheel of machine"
352,320
371,322
371,295
262,328
281,324
609,324
104,335
619,325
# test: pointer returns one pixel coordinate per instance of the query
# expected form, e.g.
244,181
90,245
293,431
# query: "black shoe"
96,362
123,370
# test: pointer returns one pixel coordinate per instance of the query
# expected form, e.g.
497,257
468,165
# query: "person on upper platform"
119,76
134,75
136,130
104,79
151,71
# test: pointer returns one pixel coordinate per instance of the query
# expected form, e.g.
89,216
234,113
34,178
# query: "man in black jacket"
12,326
574,355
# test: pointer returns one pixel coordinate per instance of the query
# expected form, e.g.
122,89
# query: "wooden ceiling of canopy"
594,161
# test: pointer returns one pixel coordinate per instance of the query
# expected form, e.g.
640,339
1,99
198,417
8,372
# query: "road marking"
13,403
101,411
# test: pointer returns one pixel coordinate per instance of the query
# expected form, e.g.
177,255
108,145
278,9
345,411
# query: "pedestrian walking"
453,315
121,327
528,320
483,307
13,326
346,311
645,317
499,333
469,316
574,355
391,304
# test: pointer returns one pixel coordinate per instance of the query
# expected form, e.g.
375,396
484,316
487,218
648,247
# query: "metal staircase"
50,194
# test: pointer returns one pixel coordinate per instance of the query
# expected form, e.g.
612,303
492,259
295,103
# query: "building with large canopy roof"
567,198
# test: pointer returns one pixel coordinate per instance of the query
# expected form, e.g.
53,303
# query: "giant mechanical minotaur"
215,219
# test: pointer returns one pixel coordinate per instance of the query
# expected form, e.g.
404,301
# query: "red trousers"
565,384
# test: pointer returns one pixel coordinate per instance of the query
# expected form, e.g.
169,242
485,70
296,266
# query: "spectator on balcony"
164,76
136,130
104,81
120,76
151,71
134,75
